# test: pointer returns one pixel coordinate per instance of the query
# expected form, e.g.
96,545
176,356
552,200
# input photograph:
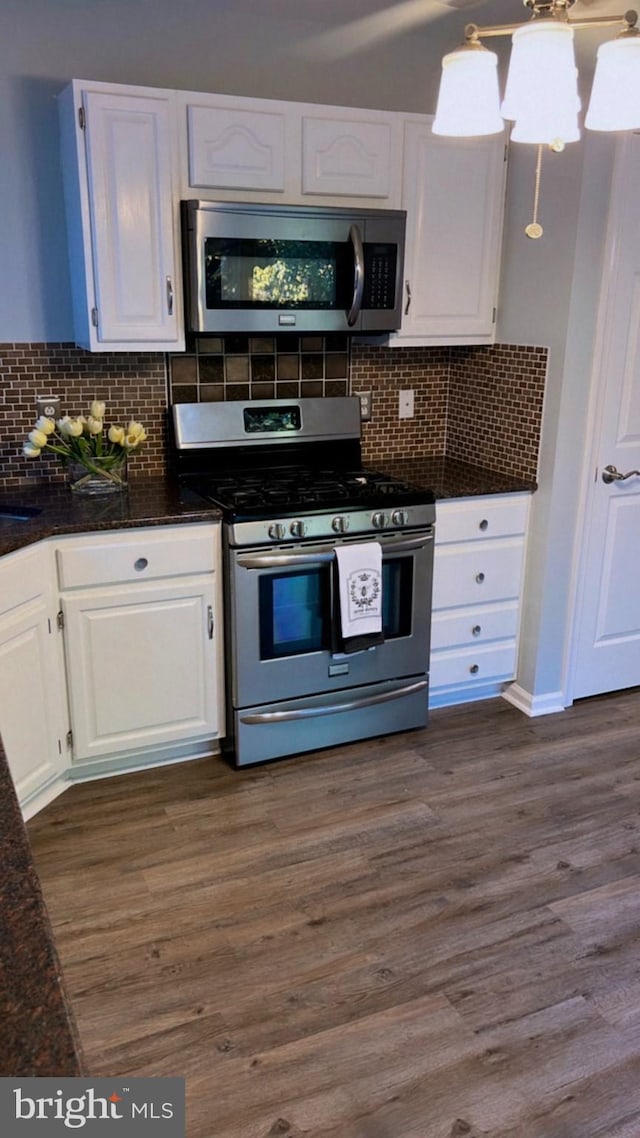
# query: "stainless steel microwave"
275,268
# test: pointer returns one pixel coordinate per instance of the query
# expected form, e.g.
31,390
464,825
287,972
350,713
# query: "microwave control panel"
380,276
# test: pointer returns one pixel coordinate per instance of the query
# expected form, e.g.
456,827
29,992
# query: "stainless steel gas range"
288,477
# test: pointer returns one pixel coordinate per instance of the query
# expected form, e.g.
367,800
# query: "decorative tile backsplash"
494,419
260,367
132,385
481,404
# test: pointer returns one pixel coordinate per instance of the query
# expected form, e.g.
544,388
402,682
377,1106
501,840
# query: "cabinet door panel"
130,190
141,665
469,626
28,691
236,149
453,191
473,666
343,157
478,573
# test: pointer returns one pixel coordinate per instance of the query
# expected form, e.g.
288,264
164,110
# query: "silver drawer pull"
474,669
140,564
483,524
479,578
476,630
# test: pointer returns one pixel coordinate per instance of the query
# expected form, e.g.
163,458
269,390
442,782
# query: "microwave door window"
266,274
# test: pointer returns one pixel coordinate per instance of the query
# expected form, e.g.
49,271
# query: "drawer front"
137,555
474,626
476,518
478,573
473,666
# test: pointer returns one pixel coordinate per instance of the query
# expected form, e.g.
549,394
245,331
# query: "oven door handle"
355,238
323,555
332,708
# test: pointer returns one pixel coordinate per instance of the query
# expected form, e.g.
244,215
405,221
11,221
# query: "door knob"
611,474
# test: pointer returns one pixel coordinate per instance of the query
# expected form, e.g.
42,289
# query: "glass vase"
99,475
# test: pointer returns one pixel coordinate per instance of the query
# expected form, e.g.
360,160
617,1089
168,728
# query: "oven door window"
263,274
397,596
295,610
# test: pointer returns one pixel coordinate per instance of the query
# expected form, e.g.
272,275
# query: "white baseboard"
533,705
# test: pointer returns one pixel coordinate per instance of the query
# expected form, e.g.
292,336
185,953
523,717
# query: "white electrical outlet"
365,398
405,404
48,405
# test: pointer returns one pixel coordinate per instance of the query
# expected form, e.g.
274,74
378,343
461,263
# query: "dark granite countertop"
147,502
157,501
450,478
38,1035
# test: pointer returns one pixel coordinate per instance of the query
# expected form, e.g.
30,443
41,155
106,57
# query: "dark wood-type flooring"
431,935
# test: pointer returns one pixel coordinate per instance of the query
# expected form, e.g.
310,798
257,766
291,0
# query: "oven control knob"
298,528
277,531
399,517
340,524
378,520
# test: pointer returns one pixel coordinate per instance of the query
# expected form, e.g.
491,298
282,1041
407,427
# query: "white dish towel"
360,585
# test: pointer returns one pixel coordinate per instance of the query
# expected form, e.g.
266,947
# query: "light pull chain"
534,229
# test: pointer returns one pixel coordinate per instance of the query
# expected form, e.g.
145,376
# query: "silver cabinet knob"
399,517
474,669
340,524
378,520
476,630
276,531
298,528
483,524
479,578
140,564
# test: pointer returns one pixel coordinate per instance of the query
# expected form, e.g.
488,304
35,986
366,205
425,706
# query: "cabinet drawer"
475,574
470,519
473,666
474,626
137,555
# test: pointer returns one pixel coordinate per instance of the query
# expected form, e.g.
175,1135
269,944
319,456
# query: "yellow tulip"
30,451
97,410
46,425
75,427
116,435
94,426
38,438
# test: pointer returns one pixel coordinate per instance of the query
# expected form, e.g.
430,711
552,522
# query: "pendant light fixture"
541,96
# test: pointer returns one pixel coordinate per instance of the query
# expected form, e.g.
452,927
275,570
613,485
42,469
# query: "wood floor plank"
429,935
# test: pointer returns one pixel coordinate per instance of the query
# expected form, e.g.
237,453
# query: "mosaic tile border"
286,366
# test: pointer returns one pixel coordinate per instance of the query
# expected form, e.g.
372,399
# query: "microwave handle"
355,238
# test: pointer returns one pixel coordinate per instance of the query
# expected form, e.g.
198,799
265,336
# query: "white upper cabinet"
345,155
122,217
273,150
234,149
453,192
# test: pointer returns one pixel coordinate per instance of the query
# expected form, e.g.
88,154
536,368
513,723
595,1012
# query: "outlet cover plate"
406,404
48,405
365,398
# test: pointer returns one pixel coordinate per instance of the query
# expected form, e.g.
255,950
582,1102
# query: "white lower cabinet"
32,700
479,557
142,623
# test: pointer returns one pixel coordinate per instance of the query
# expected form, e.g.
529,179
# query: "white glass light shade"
542,84
615,95
468,100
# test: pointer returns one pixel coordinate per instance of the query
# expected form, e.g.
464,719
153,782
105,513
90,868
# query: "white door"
607,638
